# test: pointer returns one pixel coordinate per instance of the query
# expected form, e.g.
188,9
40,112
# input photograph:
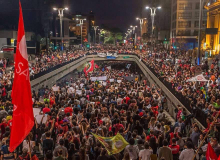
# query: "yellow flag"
112,144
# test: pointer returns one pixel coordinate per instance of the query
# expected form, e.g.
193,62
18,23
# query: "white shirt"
81,85
187,154
145,154
70,90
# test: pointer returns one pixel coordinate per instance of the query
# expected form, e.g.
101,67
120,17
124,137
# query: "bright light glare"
159,7
137,18
54,9
66,8
147,7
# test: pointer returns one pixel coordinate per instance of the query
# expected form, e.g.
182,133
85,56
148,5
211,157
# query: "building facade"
213,20
72,29
185,23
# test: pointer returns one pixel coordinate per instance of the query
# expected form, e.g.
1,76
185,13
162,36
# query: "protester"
133,108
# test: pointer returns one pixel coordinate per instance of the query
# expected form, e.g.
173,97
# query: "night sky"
114,13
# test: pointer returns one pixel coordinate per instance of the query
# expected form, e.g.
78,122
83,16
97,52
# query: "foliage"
36,38
111,35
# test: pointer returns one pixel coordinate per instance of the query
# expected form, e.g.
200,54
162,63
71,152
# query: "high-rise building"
185,23
144,27
212,44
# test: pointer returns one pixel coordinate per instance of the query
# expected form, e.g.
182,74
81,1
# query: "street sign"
126,57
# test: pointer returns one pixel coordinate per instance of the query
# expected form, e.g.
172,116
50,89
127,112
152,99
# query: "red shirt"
10,123
127,99
68,110
175,149
179,113
149,137
118,127
45,110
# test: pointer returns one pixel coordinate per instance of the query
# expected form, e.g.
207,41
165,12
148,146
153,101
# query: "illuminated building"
213,26
185,23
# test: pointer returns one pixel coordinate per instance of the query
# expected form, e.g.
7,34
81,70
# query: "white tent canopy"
198,78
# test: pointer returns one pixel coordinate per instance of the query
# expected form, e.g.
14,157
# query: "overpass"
49,79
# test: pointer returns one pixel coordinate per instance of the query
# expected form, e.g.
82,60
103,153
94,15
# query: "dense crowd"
176,68
131,108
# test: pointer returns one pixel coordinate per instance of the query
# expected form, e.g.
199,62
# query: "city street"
109,80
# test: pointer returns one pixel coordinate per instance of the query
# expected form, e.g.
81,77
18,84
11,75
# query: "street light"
95,28
141,23
199,33
99,36
134,35
60,14
81,25
153,13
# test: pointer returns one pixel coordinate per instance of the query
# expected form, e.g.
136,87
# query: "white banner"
102,78
79,92
55,88
38,116
101,55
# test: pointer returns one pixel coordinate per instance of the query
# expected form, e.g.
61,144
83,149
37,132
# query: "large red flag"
23,118
89,67
210,154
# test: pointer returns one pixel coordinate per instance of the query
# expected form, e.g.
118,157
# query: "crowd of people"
176,68
131,107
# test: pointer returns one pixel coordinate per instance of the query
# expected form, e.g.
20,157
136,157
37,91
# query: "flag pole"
216,116
29,143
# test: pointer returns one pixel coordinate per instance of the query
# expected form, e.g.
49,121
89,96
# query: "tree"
111,35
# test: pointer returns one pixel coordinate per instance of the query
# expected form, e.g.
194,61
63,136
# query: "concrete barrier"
51,78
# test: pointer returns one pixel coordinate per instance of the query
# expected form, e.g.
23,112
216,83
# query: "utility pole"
60,14
81,25
199,33
95,29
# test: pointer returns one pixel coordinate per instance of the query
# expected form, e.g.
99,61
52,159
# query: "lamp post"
95,29
199,33
153,14
134,37
81,25
101,30
129,32
60,14
141,23
99,36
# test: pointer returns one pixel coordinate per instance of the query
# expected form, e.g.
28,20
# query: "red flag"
210,154
85,70
89,67
96,66
23,117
